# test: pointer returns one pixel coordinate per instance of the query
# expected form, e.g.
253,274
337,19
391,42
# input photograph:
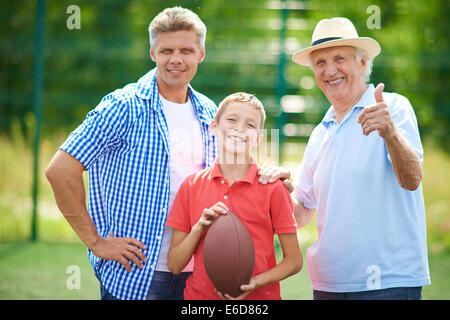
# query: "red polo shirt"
265,209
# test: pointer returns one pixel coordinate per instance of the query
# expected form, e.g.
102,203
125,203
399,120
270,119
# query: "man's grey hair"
362,54
177,19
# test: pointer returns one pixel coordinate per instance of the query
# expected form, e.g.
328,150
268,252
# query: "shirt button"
225,197
222,182
158,237
164,210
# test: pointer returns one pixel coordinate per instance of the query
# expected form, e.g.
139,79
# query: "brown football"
228,254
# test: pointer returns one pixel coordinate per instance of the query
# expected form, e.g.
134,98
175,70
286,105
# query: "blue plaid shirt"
123,143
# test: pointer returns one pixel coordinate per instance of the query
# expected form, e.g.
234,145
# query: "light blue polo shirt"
371,231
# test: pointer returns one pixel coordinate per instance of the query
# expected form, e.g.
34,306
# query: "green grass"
39,271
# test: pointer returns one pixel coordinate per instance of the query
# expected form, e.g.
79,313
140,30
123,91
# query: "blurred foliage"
243,51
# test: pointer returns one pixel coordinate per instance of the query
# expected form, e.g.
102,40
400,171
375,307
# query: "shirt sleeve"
304,181
403,115
281,210
100,132
179,215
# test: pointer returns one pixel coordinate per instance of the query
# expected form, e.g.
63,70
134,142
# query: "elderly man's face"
339,74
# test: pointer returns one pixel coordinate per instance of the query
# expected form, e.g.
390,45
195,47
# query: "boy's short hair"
242,97
177,19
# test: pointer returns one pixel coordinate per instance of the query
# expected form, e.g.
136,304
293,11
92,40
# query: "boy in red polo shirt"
232,184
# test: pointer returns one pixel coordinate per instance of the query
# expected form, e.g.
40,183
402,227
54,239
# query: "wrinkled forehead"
332,52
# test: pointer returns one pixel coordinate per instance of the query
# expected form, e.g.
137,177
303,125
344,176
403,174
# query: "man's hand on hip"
122,250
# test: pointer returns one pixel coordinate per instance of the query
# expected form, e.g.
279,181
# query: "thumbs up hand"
379,93
377,116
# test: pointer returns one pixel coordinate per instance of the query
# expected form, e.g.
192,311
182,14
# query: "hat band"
315,43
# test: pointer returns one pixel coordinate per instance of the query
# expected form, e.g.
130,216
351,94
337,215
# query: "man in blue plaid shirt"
138,145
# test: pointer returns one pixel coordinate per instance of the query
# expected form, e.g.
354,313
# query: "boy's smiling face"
238,129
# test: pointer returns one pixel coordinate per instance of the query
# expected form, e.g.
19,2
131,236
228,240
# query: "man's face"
338,74
177,55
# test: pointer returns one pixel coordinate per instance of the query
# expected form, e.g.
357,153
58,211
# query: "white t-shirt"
186,158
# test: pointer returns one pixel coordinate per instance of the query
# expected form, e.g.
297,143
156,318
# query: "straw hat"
336,32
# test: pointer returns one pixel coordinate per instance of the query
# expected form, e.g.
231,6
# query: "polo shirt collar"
366,99
329,117
249,176
147,89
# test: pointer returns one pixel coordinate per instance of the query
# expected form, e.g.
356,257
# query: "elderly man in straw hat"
362,172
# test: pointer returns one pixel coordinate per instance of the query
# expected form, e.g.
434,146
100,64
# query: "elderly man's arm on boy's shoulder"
270,174
302,215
